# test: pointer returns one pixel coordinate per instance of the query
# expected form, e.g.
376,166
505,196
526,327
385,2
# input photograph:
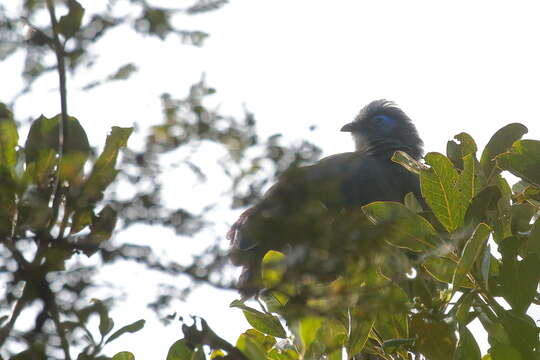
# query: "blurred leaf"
9,139
273,268
265,323
411,202
499,143
435,338
472,249
198,354
443,269
104,172
124,72
180,351
124,355
308,328
106,324
467,348
251,349
405,228
69,24
439,188
504,352
522,160
131,328
266,341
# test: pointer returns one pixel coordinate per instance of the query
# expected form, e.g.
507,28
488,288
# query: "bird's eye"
381,120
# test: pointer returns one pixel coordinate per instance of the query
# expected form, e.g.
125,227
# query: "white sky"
453,66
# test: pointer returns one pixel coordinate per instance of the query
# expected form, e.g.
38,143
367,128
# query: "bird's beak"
348,127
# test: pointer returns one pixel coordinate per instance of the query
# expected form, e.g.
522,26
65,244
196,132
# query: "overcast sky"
452,66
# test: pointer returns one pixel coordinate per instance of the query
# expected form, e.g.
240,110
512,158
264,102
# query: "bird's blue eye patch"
383,120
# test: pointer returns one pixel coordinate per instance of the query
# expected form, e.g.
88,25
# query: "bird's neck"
385,148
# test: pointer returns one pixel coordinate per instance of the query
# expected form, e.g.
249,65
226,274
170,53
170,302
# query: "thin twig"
58,48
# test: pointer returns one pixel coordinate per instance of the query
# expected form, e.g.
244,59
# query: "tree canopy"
410,292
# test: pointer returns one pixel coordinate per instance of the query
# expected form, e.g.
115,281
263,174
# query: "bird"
306,202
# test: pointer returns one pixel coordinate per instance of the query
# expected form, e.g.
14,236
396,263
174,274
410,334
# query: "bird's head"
382,124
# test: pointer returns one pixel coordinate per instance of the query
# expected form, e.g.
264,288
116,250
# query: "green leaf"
522,160
360,330
131,328
467,348
265,323
180,351
124,355
435,338
405,228
456,152
103,171
439,188
101,229
518,279
472,249
251,349
69,24
273,268
471,180
499,143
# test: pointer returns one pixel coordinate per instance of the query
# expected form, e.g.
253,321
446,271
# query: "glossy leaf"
131,328
471,251
523,160
500,142
405,228
439,188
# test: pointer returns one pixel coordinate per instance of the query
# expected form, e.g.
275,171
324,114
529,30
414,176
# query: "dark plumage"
305,200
